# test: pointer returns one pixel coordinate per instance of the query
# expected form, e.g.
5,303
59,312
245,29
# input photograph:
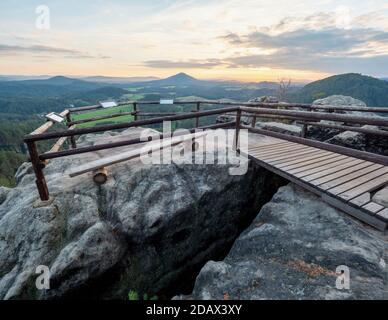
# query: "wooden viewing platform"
344,182
343,177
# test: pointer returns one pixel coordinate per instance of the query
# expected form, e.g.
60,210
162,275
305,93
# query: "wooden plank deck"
344,182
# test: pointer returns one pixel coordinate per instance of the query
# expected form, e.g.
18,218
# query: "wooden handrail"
241,109
307,106
111,145
378,121
101,128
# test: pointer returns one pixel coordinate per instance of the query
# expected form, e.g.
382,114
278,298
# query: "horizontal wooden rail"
322,145
284,105
123,103
267,116
101,128
320,116
64,153
160,114
113,115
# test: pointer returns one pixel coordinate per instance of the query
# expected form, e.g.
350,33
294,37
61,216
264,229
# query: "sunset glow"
240,40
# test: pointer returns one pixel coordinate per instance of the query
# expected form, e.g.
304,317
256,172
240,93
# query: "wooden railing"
236,109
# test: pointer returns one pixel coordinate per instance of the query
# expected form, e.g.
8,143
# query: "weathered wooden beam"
64,153
131,154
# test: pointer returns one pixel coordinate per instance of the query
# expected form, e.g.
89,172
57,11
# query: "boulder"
381,197
265,99
340,100
280,127
361,141
247,120
150,228
292,250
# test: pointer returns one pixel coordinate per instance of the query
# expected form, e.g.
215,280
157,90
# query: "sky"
246,40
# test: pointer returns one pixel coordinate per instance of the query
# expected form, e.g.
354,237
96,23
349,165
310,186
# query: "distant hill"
374,92
119,80
47,87
53,94
22,77
180,79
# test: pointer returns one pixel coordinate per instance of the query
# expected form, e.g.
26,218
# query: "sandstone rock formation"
351,139
265,99
339,100
292,251
247,120
148,229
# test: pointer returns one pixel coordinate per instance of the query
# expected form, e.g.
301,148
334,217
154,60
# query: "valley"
24,101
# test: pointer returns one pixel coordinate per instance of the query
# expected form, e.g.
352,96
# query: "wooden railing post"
304,130
253,121
197,118
237,133
135,111
72,139
37,165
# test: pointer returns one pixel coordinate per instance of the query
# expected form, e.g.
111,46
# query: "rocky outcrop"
361,141
247,120
148,229
339,100
292,251
265,99
350,139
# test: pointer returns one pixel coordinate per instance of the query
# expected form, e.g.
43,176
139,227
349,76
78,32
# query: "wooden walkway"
344,182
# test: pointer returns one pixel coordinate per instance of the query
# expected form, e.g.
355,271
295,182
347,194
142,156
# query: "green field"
103,112
132,96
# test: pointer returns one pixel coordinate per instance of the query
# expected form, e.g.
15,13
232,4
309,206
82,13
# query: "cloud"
315,44
8,50
188,64
329,40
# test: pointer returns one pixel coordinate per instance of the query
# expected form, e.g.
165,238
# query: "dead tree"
284,87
